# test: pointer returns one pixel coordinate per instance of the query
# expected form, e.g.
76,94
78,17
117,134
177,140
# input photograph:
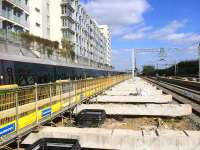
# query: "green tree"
148,70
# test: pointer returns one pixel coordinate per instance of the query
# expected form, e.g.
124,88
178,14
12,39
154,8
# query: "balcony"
19,3
14,19
69,28
69,16
69,4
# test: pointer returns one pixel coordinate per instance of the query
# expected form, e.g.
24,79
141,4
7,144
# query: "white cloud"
169,33
134,36
138,34
118,14
125,17
193,47
171,28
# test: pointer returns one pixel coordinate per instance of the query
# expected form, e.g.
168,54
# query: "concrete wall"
107,33
38,15
35,17
46,19
1,25
55,20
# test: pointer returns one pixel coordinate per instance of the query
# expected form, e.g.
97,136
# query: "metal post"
36,100
175,69
85,90
69,90
17,119
62,119
133,64
76,95
50,94
199,60
18,140
60,84
61,105
17,111
75,91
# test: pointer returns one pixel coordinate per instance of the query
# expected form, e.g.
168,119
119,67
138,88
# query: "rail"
186,78
23,108
184,83
181,94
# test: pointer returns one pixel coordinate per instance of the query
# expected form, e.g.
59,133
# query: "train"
28,73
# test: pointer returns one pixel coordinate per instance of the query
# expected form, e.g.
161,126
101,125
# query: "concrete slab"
133,99
170,110
129,87
161,132
131,92
121,139
132,88
126,88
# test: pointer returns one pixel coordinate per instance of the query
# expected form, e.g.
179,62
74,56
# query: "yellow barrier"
7,87
29,105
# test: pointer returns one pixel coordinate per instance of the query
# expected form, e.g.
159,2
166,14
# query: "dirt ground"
149,123
138,123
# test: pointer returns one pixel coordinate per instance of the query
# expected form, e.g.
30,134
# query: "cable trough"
91,118
54,144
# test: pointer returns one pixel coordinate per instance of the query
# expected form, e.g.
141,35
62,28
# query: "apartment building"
57,20
14,15
75,24
90,42
40,18
106,32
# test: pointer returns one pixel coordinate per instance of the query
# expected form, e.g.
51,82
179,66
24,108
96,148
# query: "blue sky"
149,24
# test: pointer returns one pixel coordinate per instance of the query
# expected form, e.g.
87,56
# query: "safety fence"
22,108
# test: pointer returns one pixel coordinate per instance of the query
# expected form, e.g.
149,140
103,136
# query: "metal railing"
20,3
23,108
69,3
19,20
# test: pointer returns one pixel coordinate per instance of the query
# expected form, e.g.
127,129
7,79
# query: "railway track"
185,94
185,78
194,85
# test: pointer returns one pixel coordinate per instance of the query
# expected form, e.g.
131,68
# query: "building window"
48,32
65,22
37,24
37,10
26,2
26,17
64,9
47,7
